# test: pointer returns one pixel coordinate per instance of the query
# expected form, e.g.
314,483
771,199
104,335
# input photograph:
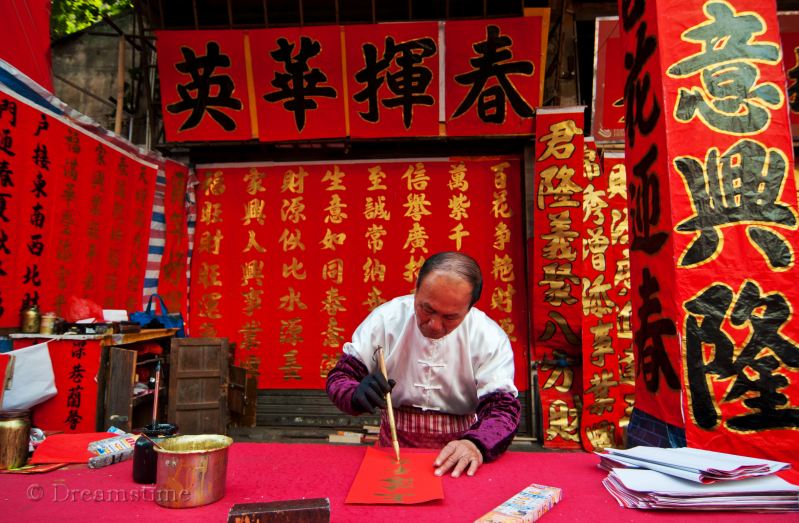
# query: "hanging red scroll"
493,78
713,225
289,258
608,365
554,253
393,79
204,90
607,123
789,37
298,83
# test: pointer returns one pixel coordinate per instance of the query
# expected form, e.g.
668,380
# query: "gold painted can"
15,426
31,319
191,470
48,323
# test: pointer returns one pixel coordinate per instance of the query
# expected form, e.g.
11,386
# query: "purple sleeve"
343,380
498,416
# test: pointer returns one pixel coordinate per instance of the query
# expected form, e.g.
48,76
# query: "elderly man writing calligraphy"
452,364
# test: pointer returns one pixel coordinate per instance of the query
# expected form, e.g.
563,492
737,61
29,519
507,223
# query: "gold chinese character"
500,178
209,274
594,203
374,299
291,331
291,240
619,228
627,366
559,140
617,182
333,334
508,326
373,270
291,369
250,335
374,235
333,303
252,243
334,177
253,181
590,165
624,328
207,330
501,236
252,301
376,177
601,435
417,178
210,243
252,270
332,239
211,213
458,233
500,207
376,208
333,270
254,210
600,388
291,301
335,210
563,421
292,210
595,297
417,206
294,181
595,244
622,275
417,237
502,299
502,268
602,344
562,192
458,204
412,268
457,178
328,363
209,306
214,183
560,238
559,278
294,270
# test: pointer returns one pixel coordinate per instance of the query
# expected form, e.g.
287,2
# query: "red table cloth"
261,472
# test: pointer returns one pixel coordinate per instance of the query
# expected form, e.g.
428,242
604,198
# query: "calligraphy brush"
391,423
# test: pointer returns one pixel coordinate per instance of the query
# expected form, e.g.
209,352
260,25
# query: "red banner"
789,37
289,259
607,123
554,254
173,279
298,83
75,215
393,79
608,366
295,84
26,36
713,224
204,89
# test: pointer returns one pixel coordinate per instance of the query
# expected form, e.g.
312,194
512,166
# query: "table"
260,472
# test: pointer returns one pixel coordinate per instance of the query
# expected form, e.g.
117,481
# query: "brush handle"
391,423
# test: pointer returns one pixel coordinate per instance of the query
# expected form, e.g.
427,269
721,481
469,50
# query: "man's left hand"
458,455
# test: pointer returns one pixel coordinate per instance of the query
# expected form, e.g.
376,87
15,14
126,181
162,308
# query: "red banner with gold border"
608,366
204,89
715,159
493,81
289,258
298,83
393,79
555,254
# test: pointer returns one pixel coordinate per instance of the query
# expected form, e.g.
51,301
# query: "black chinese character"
754,367
4,242
5,175
73,418
652,357
11,107
36,246
78,349
29,300
196,96
741,186
3,206
40,157
300,83
729,100
644,191
100,150
410,83
7,142
637,88
494,62
630,17
43,125
73,397
39,183
76,374
32,276
37,216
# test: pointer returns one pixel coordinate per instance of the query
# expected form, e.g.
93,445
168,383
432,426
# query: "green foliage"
68,16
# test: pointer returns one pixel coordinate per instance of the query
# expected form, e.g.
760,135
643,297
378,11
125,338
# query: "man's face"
441,303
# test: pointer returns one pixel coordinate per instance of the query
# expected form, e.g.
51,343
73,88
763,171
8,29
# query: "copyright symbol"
35,492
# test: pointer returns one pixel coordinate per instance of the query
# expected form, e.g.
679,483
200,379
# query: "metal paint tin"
191,470
31,319
47,323
15,426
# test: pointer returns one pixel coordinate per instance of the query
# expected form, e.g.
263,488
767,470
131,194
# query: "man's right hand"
371,393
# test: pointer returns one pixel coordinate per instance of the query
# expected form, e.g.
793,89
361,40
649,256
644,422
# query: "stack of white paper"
649,489
702,466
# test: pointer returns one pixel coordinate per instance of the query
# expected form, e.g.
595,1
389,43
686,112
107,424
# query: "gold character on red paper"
559,140
252,270
416,177
374,235
459,205
253,182
333,335
209,306
376,177
502,299
335,210
562,193
294,270
375,208
211,244
617,182
594,204
601,435
619,228
596,244
291,368
563,421
508,326
211,213
332,239
333,270
595,297
334,177
252,243
590,165
373,270
374,298
500,207
291,301
252,301
458,233
500,177
457,178
412,268
294,181
417,206
600,387
602,344
209,274
333,303
417,238
291,240
502,268
213,183
501,236
291,331
559,278
292,210
254,210
250,335
328,362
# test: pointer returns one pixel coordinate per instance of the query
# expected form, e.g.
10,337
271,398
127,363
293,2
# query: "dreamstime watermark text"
62,493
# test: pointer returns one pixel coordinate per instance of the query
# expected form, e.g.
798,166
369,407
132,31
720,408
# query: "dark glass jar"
145,457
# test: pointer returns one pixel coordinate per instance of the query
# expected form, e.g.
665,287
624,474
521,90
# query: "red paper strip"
382,481
607,123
